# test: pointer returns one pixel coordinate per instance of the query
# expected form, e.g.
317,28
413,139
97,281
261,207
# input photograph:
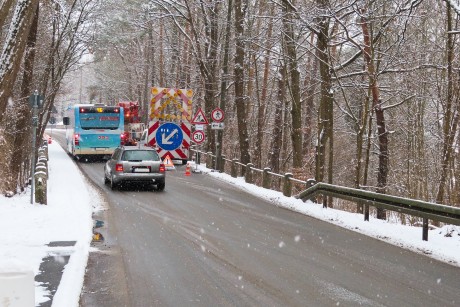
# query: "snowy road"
203,242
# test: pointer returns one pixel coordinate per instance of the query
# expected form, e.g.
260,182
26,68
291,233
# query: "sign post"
218,116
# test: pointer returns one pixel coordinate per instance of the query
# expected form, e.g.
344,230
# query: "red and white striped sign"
171,105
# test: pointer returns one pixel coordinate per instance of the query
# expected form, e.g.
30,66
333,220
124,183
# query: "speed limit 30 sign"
198,136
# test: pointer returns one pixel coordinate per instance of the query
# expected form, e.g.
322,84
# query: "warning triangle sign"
168,163
199,118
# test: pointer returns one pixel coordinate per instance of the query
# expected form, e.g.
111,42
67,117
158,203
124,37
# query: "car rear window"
140,155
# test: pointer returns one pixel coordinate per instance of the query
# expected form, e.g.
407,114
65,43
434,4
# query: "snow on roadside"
27,229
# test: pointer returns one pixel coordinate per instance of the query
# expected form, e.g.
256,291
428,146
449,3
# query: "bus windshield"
99,118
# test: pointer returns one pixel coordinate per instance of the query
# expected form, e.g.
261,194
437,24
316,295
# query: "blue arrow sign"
169,136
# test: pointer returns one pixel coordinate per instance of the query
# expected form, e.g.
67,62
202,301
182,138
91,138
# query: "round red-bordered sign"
217,115
198,136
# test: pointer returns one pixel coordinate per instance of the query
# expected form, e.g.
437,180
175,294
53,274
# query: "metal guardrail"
422,209
418,208
425,210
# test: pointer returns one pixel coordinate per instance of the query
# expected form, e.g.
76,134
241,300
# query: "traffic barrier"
41,176
187,170
168,163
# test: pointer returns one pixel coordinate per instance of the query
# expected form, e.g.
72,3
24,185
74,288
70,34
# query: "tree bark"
22,135
294,85
224,77
5,7
13,50
240,101
310,85
449,126
326,96
263,96
275,146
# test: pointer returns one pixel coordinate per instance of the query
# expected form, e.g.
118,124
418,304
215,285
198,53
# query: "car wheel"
113,185
106,180
161,186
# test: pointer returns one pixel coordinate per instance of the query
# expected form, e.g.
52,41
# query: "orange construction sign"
168,162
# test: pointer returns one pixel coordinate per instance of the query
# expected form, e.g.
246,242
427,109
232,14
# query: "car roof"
138,148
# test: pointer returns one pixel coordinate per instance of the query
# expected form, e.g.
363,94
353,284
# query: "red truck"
133,125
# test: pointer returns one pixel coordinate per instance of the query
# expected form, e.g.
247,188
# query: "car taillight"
162,168
77,139
119,167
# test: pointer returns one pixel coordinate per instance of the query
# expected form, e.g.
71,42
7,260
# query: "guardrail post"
234,170
366,212
209,160
248,175
310,182
222,164
425,229
197,157
287,185
266,178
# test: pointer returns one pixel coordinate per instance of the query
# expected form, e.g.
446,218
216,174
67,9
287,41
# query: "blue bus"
93,130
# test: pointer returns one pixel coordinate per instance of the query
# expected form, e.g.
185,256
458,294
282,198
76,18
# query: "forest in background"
363,94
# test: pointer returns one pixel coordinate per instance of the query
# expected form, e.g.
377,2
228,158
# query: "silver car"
135,165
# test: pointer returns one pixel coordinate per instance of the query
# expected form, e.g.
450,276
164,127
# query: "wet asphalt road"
203,242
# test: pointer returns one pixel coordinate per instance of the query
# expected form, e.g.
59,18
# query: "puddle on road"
51,269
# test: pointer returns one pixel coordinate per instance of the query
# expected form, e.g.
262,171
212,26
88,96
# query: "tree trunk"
382,173
10,61
310,85
22,135
5,6
326,98
263,96
210,77
161,64
11,57
275,146
240,12
294,85
224,77
449,126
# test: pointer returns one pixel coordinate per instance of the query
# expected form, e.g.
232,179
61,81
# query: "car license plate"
141,170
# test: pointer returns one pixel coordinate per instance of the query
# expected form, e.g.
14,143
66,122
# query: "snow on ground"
27,229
